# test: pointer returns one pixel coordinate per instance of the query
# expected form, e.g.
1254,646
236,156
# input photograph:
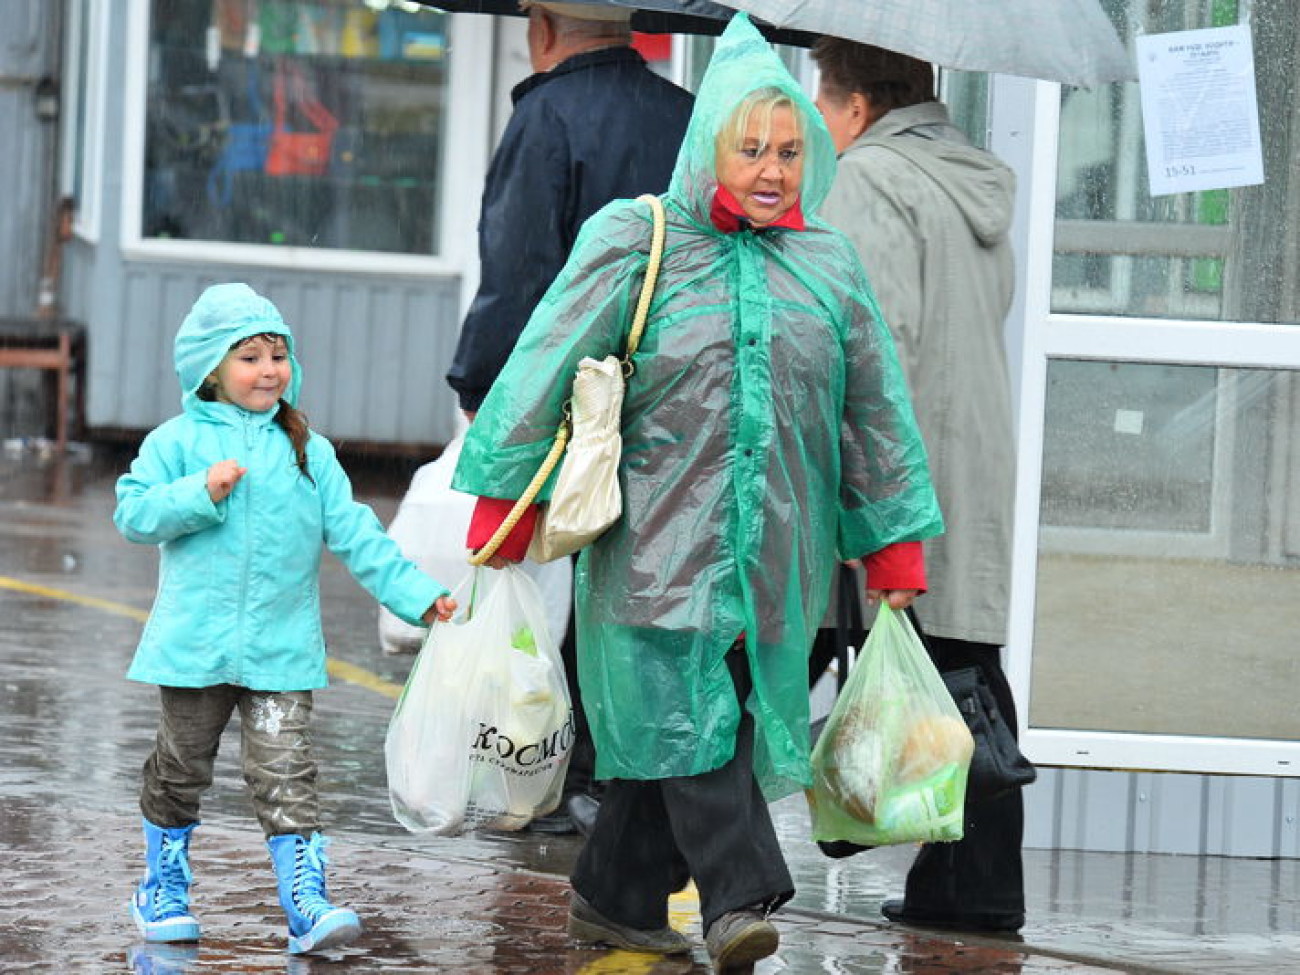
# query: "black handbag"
833,643
998,765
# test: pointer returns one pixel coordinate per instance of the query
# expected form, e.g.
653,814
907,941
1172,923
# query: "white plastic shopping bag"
481,735
430,528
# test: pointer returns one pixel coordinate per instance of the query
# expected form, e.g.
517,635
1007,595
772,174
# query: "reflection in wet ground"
76,733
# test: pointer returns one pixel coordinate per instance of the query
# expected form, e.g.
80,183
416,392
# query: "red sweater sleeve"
897,566
488,515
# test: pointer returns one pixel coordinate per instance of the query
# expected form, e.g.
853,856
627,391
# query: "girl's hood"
742,63
223,315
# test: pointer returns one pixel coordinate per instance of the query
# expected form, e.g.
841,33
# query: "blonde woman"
767,432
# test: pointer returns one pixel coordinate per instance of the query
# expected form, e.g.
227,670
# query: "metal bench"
53,344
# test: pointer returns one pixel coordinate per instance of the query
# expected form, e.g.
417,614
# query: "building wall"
28,52
28,46
1163,812
374,346
373,349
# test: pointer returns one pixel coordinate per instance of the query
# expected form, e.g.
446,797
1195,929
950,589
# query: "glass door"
1157,585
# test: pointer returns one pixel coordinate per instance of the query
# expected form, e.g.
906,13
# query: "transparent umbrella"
1070,41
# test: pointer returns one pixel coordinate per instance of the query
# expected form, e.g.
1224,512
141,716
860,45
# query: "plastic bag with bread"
890,766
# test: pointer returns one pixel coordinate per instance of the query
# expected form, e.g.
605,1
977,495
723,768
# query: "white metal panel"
84,91
373,349
1245,345
1163,812
1243,814
1288,818
1175,813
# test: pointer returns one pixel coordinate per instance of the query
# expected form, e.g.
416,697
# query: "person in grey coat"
929,215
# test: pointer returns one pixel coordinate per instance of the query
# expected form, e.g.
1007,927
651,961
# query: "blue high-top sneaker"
161,906
314,923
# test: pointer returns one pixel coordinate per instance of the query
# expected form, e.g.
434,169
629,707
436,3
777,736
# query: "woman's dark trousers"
651,837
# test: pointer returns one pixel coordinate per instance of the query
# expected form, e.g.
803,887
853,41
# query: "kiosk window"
311,124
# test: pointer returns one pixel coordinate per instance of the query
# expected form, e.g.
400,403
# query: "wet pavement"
72,595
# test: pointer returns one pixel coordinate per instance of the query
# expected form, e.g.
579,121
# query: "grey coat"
929,215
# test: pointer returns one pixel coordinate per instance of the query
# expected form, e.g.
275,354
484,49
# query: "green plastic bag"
890,766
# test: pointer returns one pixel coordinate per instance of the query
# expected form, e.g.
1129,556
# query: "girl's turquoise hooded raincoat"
238,597
767,431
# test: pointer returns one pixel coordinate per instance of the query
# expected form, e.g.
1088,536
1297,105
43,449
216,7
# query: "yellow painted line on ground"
337,668
619,962
363,678
107,605
684,907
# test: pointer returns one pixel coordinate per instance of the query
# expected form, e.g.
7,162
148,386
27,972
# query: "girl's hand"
898,599
442,609
222,478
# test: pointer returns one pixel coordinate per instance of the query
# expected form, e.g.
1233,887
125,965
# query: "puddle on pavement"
76,733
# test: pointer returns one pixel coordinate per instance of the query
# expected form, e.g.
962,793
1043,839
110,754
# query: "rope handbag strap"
502,533
651,277
489,549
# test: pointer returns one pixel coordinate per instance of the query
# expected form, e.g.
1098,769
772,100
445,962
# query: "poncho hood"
744,62
223,315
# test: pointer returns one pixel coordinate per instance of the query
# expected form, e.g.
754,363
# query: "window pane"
966,93
1219,254
1128,446
312,124
1169,551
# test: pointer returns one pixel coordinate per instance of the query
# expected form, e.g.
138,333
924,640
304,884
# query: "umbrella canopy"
1070,41
649,16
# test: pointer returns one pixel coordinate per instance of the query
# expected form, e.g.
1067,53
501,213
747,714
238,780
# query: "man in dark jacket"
593,124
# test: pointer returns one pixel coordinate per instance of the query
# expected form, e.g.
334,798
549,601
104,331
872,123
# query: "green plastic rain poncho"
766,431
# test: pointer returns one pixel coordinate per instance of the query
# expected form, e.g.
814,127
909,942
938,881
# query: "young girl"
240,495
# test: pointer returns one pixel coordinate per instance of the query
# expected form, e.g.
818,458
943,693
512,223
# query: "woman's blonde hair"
761,102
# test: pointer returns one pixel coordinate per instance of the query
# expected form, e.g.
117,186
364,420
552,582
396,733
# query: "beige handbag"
586,498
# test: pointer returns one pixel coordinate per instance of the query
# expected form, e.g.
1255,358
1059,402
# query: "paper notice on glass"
1199,110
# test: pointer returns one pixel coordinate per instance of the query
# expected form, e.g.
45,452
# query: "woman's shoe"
839,849
894,910
739,938
557,823
589,926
